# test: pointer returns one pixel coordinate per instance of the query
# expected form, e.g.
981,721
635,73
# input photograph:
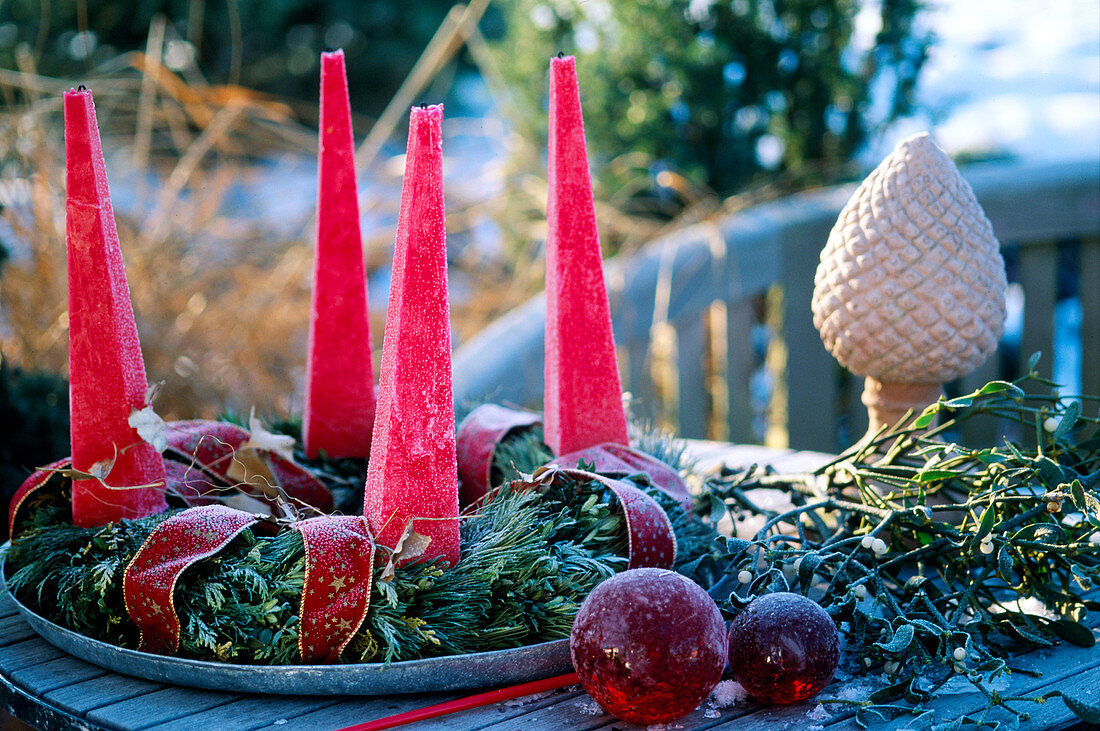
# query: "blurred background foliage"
267,45
683,96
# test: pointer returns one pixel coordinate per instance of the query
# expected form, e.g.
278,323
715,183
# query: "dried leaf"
101,469
263,440
150,427
410,546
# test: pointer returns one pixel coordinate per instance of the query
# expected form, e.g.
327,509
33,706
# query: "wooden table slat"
63,671
517,712
577,713
1054,713
14,630
7,606
26,653
352,711
31,710
251,713
82,697
158,707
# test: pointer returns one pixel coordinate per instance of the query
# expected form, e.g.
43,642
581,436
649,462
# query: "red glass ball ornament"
649,645
783,648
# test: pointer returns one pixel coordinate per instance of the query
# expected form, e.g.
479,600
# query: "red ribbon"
208,450
615,459
336,593
651,540
38,479
149,582
476,443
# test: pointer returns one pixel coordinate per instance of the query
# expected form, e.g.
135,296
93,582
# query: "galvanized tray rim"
435,674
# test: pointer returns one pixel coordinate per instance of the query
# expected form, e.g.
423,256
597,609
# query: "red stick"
465,704
413,471
583,395
340,398
106,370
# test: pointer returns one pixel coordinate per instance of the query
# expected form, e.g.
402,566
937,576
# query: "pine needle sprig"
74,575
529,558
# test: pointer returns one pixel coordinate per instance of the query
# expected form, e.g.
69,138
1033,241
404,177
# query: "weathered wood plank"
740,364
637,380
1027,202
515,712
1084,686
14,629
578,713
353,711
692,382
811,376
79,698
1060,667
47,676
1038,276
26,653
752,716
1088,276
27,708
709,456
7,605
158,707
251,713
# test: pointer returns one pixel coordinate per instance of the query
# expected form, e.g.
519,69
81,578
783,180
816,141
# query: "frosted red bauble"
649,645
783,648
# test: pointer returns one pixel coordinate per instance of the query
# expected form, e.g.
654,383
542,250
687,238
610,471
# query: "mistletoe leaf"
1072,632
901,640
994,387
1004,564
1068,421
1085,501
806,569
933,475
927,416
986,523
1087,712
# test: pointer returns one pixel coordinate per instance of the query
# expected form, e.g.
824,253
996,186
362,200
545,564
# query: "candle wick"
330,49
82,88
561,54
423,105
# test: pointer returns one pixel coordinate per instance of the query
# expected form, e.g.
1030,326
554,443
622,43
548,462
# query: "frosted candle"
106,371
413,470
583,394
340,396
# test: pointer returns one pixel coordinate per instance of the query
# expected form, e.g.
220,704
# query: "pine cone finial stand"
910,291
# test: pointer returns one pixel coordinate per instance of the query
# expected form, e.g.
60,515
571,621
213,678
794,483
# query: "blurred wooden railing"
714,326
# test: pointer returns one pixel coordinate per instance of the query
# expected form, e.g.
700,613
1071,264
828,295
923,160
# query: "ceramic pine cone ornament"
910,291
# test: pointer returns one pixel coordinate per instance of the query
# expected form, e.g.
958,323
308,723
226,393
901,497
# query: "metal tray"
454,672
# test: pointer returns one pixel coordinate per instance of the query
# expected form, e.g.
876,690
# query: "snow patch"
726,694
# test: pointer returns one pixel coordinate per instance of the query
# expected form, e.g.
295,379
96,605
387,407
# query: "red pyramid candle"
413,472
106,370
340,396
583,396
